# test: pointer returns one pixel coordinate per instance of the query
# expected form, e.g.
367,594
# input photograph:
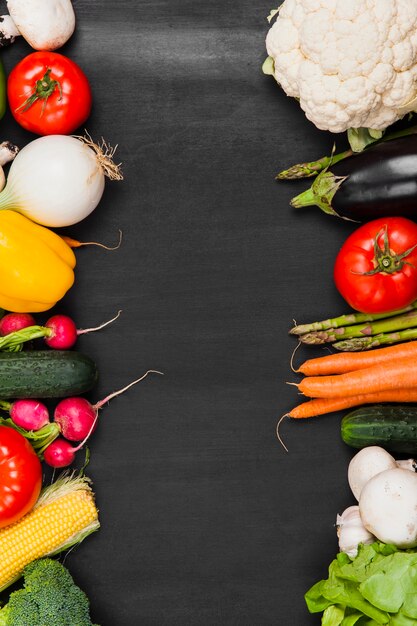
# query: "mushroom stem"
8,151
409,464
8,31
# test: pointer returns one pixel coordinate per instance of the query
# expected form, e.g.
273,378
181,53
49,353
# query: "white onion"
58,180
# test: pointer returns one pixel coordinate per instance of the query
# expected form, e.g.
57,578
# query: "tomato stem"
44,88
385,260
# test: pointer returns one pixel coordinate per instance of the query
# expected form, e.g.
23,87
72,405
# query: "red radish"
80,417
13,322
59,332
76,417
64,333
59,453
31,415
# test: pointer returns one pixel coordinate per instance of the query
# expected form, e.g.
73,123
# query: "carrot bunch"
348,379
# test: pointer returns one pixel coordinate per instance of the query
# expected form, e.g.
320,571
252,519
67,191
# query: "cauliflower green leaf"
360,138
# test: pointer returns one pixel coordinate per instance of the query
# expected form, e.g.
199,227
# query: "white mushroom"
410,464
8,152
351,531
365,464
388,507
45,24
8,30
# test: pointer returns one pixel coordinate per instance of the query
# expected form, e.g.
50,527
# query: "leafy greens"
378,586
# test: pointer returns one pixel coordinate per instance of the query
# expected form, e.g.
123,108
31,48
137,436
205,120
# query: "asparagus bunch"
358,331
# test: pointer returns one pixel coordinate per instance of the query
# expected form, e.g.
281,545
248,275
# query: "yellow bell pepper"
36,265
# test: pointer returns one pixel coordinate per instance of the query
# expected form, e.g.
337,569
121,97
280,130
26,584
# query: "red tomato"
49,94
376,268
20,476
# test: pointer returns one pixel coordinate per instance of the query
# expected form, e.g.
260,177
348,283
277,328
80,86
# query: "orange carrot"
74,243
343,362
321,406
396,374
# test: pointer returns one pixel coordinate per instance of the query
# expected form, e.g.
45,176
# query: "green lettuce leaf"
378,586
333,616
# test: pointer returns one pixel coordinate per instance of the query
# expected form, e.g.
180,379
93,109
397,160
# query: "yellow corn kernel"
64,515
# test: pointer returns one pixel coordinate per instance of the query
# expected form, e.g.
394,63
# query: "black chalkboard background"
205,519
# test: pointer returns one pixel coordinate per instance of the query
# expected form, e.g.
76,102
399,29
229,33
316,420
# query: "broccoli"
49,598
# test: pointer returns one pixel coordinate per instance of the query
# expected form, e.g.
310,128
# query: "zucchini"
391,427
45,374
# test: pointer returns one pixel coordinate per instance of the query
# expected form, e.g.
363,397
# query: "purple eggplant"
379,182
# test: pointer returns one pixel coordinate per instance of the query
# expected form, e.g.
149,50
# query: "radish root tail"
92,330
277,431
100,404
118,393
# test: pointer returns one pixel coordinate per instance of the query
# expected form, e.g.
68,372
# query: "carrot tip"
292,358
277,431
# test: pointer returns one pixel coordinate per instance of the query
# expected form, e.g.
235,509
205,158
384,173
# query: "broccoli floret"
49,598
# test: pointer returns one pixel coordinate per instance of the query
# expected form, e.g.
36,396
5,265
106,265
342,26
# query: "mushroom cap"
365,464
45,24
388,507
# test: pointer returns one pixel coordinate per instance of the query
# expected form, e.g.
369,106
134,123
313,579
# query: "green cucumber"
393,427
45,374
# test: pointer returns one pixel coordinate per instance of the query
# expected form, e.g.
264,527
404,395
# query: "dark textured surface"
205,519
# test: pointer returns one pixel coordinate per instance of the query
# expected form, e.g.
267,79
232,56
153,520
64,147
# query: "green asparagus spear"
347,320
313,168
397,323
383,339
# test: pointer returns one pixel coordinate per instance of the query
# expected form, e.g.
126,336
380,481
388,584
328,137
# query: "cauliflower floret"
351,63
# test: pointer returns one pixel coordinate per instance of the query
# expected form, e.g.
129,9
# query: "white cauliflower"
351,63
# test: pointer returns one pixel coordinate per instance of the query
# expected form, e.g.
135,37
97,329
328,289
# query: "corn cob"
63,516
